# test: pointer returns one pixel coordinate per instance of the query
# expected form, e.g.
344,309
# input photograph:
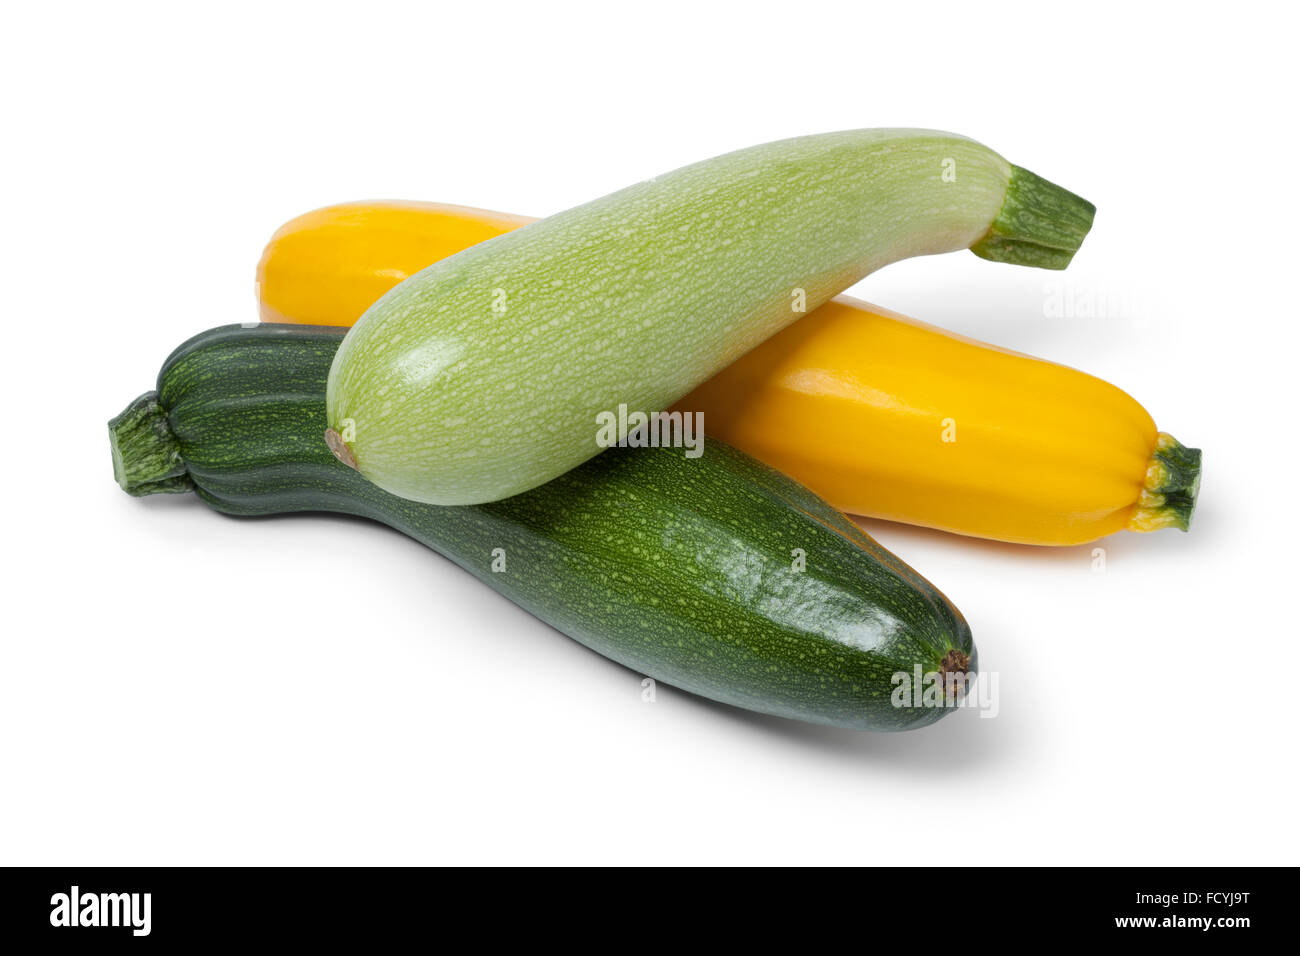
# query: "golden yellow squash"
879,414
326,267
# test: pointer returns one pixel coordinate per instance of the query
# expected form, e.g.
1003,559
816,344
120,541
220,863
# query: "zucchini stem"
147,458
1040,224
1169,492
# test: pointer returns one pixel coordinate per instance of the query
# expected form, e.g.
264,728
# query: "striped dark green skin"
681,569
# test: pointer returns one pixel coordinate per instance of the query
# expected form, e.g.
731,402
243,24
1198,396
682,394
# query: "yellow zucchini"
362,249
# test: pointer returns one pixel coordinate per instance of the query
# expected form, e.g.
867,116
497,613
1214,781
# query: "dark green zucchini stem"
147,458
1040,224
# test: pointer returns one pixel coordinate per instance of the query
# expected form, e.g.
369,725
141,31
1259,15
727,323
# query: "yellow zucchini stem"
147,458
1169,493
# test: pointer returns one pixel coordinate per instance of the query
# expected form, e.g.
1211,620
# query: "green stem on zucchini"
1040,224
147,458
1169,493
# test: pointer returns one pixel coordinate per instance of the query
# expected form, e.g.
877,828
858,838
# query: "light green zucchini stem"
1040,224
1169,493
147,457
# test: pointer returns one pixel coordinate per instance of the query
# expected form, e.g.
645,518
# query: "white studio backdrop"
180,687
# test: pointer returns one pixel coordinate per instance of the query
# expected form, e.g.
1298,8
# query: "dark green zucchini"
682,569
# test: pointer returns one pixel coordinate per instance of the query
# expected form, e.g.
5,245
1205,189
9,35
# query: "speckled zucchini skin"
480,376
681,569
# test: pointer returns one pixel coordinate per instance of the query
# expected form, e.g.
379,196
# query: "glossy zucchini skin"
681,569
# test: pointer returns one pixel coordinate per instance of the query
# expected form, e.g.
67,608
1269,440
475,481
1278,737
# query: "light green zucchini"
483,375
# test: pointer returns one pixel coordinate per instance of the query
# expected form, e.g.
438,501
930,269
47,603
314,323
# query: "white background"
179,687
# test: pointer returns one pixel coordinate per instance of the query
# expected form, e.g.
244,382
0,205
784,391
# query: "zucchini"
681,569
482,375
